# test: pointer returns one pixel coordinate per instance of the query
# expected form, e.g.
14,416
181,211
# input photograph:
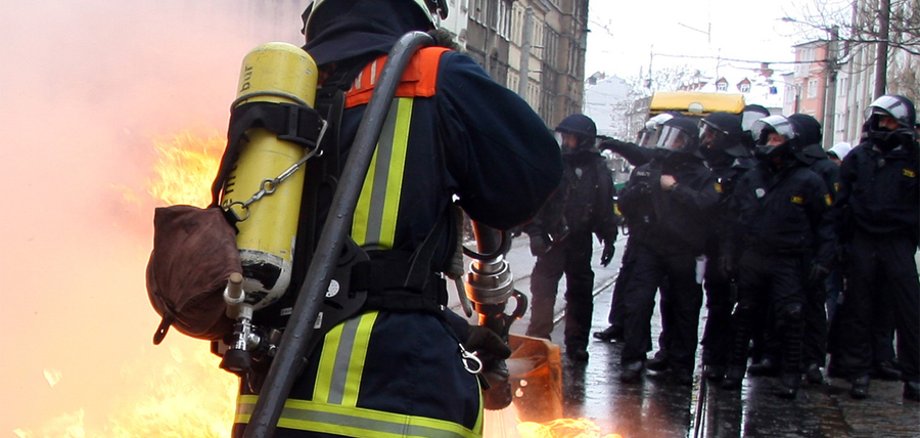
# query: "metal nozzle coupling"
489,282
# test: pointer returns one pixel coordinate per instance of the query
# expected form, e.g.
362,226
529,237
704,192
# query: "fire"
564,428
185,169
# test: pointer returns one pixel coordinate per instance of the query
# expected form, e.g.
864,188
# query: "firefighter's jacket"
451,132
879,192
583,203
670,222
782,212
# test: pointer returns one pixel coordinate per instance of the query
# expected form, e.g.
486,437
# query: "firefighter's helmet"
434,10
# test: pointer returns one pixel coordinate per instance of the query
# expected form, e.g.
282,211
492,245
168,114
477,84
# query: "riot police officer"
561,236
782,238
878,207
667,203
722,147
814,350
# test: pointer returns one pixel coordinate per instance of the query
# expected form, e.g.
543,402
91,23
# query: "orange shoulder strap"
419,79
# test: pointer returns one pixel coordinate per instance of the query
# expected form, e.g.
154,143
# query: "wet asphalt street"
657,407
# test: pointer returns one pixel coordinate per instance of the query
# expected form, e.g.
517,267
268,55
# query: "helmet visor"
711,135
762,128
749,117
672,138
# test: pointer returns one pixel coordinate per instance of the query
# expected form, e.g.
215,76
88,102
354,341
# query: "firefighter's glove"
816,276
492,352
539,244
607,255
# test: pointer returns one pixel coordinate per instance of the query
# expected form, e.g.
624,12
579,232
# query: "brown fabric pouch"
194,252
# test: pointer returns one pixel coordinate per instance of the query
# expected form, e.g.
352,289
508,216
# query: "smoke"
85,90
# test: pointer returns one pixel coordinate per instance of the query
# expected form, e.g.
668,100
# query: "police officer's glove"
492,352
539,244
607,255
816,276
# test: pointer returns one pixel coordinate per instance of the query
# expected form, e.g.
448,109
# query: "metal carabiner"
470,361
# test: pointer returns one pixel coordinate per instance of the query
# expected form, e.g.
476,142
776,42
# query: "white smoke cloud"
85,88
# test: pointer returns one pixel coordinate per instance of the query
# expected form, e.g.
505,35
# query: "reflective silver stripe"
353,421
373,78
342,359
381,173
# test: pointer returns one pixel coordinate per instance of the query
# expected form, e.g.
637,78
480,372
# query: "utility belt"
390,285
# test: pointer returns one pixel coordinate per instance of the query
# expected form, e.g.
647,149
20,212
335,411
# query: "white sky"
623,33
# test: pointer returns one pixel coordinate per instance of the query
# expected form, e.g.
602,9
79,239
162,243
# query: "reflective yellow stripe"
354,421
341,362
378,205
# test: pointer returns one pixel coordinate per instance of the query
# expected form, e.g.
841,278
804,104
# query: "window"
512,81
722,86
504,20
812,88
478,11
744,87
550,44
517,23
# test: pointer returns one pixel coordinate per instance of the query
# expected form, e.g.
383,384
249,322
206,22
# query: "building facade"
534,47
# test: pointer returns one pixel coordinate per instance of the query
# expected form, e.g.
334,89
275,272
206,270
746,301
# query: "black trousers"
617,314
770,281
719,303
680,315
882,275
571,257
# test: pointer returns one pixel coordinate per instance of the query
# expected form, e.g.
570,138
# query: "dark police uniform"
783,225
879,204
669,230
582,205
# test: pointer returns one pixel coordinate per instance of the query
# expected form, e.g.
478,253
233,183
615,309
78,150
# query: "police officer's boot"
737,359
860,388
792,331
912,391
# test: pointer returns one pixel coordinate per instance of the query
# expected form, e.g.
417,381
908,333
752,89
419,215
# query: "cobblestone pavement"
659,408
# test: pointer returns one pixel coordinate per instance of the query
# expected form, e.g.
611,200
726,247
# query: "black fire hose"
290,357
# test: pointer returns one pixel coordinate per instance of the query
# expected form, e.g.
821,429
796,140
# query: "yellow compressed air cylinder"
278,73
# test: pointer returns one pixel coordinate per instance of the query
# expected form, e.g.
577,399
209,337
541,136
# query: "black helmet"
578,124
582,127
899,108
721,132
807,128
680,134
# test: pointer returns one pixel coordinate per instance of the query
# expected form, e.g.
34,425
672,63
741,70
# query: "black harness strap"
294,123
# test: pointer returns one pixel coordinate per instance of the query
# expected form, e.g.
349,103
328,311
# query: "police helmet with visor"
649,135
898,108
721,132
679,134
580,126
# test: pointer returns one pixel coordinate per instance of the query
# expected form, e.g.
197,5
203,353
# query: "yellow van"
695,103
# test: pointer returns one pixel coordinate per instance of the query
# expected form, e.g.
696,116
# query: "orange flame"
185,168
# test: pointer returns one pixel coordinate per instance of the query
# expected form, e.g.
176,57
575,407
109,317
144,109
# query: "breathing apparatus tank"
264,187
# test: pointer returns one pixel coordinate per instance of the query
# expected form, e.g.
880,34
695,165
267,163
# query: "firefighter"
451,132
782,239
667,203
878,209
561,237
721,145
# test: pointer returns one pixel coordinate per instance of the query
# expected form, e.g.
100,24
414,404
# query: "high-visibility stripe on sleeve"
354,421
